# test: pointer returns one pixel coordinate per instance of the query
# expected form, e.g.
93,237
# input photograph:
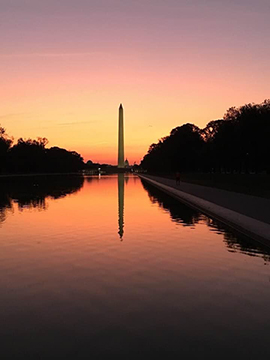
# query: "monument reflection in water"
122,180
121,194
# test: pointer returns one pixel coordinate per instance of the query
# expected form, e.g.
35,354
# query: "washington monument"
121,163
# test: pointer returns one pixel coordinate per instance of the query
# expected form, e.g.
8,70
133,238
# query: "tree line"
32,156
240,142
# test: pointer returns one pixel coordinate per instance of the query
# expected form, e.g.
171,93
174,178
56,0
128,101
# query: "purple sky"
195,57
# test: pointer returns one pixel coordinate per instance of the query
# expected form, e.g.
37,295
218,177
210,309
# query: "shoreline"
3,176
246,225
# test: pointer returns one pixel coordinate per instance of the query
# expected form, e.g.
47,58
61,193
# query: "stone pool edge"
255,229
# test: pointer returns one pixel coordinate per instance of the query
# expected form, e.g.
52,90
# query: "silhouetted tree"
5,143
27,156
32,156
61,160
219,137
179,151
237,143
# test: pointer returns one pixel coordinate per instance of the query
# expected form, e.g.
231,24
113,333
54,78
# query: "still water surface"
110,266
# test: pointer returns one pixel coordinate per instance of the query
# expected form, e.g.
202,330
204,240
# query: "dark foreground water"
110,267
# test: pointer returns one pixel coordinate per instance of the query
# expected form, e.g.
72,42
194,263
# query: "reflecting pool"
111,266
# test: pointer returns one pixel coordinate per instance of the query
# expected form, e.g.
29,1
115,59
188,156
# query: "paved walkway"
255,207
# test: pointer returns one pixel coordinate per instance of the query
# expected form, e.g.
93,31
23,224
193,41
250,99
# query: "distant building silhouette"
126,163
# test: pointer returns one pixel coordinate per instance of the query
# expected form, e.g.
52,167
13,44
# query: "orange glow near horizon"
65,70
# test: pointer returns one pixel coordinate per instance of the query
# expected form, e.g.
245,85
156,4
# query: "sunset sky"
66,65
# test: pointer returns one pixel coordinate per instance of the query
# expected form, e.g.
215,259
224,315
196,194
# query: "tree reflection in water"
187,216
5,206
32,191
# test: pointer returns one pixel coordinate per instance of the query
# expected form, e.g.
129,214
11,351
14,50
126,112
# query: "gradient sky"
65,65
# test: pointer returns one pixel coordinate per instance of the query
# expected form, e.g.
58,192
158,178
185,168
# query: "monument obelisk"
121,163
